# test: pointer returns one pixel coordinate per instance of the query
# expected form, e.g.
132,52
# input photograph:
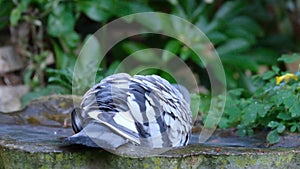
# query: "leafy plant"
235,34
234,31
241,37
274,105
5,12
51,27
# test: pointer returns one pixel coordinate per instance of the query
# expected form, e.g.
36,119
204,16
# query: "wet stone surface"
33,138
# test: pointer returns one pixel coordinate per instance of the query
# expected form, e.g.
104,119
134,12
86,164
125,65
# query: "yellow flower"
287,77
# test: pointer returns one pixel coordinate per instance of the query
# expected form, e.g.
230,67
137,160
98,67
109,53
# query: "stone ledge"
39,145
193,157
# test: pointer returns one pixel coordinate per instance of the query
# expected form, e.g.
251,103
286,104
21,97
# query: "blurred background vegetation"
249,36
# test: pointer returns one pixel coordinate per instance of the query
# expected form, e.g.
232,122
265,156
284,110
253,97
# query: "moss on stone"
11,158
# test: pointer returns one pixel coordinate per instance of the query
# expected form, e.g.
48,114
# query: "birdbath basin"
33,138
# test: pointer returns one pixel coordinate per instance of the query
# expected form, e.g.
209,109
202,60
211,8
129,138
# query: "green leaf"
239,62
268,75
60,81
289,99
217,37
273,137
284,116
295,110
250,114
244,130
61,77
228,9
155,23
71,39
63,60
27,77
15,16
5,12
293,128
61,21
246,23
87,65
185,53
122,8
235,92
112,68
224,123
147,56
208,28
232,111
276,69
205,103
97,10
240,33
279,97
212,119
16,13
261,110
233,46
172,49
179,11
289,58
273,124
280,128
173,2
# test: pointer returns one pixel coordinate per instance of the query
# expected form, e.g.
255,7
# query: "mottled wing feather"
109,105
172,119
144,109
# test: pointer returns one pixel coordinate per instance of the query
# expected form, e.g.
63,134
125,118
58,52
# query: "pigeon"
140,115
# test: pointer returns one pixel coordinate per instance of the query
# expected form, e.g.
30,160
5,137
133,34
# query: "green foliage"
59,18
241,40
274,106
235,34
231,26
234,31
5,12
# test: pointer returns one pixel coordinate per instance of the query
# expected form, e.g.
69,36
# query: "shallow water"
33,138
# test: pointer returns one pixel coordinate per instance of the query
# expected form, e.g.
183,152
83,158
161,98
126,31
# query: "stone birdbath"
33,138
